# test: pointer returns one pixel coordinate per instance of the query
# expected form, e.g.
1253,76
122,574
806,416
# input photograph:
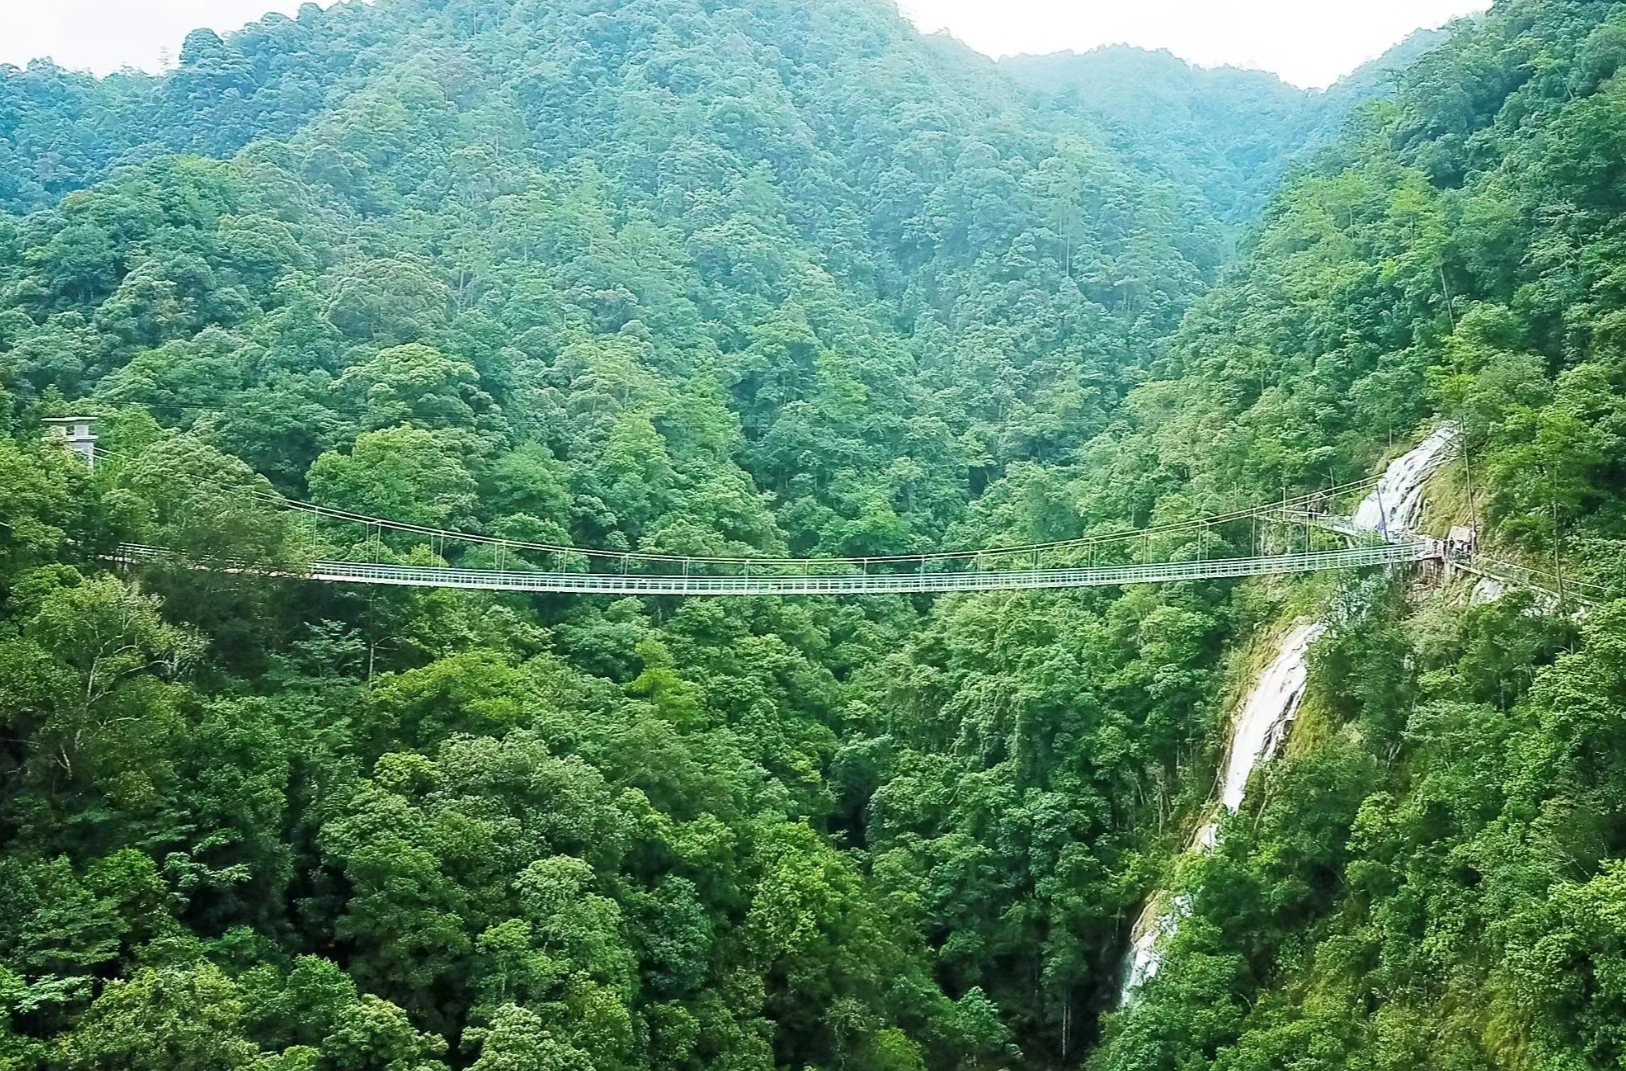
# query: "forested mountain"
750,279
1227,134
768,278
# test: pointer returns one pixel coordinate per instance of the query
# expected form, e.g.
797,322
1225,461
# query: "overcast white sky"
104,35
1309,42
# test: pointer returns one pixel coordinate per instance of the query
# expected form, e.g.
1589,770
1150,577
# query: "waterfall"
1260,728
1273,703
1392,509
1145,957
1393,506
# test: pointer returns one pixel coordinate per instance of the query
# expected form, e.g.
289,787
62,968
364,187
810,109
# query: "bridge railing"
812,584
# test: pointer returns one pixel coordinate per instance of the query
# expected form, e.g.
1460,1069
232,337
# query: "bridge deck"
839,584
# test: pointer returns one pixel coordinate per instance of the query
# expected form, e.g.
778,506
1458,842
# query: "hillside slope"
1434,878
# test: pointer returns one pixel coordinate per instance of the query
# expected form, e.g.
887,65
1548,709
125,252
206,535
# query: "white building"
74,433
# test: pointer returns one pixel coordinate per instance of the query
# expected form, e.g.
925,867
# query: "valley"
383,312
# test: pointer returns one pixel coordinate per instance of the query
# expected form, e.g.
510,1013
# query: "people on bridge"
1461,543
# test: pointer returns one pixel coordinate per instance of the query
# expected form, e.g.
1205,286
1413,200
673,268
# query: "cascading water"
1259,731
1145,957
1271,706
1391,510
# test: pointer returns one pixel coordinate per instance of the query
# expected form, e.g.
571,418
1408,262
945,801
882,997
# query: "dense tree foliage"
767,279
763,279
1435,880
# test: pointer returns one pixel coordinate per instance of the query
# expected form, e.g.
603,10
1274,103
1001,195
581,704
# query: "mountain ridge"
1237,131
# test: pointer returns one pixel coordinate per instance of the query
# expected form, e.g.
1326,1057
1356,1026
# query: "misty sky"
1309,42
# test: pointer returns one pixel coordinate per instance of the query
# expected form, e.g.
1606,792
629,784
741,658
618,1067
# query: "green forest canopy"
780,278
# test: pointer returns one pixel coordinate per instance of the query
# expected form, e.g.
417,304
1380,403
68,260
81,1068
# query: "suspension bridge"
849,583
1288,536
